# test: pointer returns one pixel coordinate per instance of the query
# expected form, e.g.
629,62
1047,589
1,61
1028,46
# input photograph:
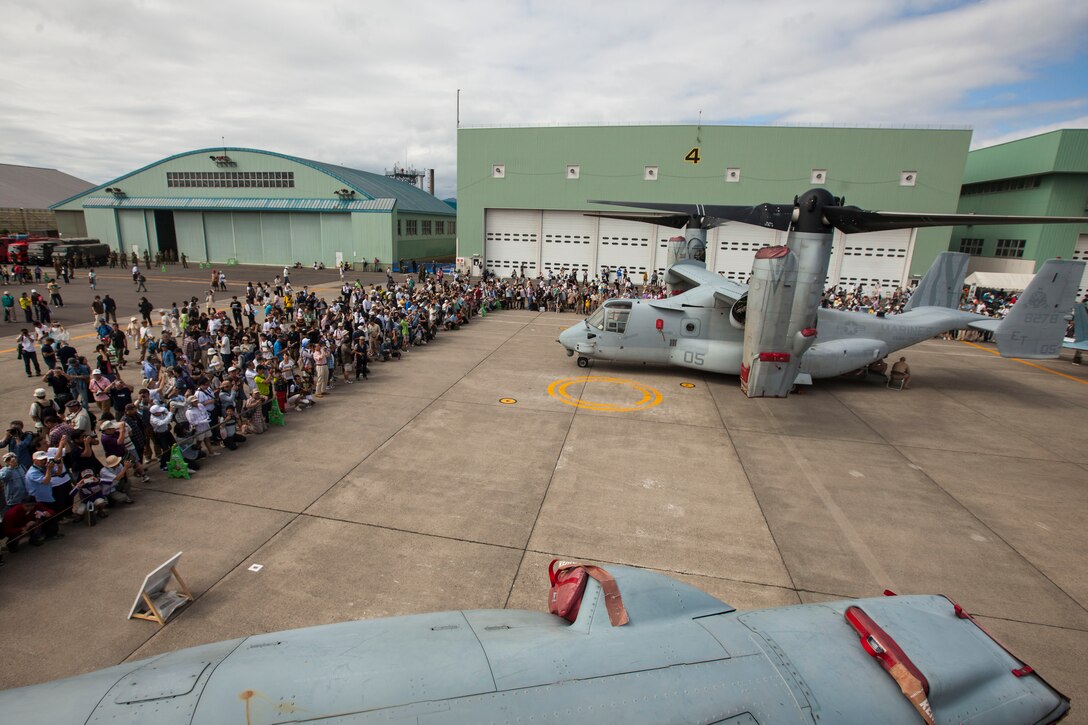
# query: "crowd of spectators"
202,377
208,373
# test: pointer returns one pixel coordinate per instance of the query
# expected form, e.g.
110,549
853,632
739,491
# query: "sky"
100,88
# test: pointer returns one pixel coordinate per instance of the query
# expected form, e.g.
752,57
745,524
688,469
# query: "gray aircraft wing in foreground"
683,657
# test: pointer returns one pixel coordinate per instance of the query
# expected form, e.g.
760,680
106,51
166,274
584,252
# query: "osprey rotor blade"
774,216
851,219
677,221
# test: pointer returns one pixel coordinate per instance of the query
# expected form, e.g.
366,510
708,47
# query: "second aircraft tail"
943,284
1035,326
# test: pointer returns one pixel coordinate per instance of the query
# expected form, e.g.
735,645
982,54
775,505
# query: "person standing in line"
321,369
28,351
92,277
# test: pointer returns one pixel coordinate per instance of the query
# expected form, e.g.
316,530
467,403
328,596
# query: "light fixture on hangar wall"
222,160
345,194
115,191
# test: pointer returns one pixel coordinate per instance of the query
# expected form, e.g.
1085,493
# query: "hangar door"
512,239
734,246
875,259
626,244
1080,252
570,242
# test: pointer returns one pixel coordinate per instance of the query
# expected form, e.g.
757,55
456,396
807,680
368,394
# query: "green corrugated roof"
376,186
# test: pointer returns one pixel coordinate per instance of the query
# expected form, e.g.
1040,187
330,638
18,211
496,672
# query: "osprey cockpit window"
596,320
615,316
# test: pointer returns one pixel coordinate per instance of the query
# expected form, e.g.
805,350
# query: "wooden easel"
159,602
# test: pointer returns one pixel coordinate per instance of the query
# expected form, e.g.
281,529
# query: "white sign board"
154,601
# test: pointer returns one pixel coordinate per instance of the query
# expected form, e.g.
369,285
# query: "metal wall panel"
152,231
190,230
276,238
247,238
569,240
1080,252
875,260
734,246
133,231
626,244
512,239
305,238
219,232
335,237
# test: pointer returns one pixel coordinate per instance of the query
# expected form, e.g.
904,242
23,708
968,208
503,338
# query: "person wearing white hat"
99,387
199,419
42,406
161,416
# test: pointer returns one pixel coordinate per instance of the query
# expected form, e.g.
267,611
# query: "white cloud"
97,89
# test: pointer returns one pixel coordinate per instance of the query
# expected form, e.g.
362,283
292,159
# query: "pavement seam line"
295,516
751,486
543,498
963,506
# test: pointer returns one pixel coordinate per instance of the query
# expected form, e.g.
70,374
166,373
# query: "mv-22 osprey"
773,332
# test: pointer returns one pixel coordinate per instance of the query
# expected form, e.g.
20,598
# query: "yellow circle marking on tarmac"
650,396
507,401
687,385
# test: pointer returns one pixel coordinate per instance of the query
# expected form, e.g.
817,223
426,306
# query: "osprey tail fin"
1035,326
943,284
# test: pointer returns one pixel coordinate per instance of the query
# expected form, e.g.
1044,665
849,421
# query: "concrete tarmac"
419,490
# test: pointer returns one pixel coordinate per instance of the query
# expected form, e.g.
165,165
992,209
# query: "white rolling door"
569,240
734,247
626,244
511,240
875,260
1081,252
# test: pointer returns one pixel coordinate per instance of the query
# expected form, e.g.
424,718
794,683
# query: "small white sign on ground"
154,602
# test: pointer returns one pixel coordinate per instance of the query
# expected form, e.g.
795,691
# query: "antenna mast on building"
405,173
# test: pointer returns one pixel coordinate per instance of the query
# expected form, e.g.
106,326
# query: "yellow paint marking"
507,401
687,385
650,396
1029,364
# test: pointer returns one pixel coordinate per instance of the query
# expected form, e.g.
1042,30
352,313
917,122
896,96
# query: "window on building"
453,227
426,227
971,246
230,179
993,187
440,227
398,228
413,228
1010,248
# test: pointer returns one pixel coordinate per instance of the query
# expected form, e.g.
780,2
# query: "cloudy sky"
98,88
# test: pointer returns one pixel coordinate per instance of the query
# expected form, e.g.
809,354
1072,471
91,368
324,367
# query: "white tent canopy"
999,280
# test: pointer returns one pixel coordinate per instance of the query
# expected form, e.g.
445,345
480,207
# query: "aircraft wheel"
583,362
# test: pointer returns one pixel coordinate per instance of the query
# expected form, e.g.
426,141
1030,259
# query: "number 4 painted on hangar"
693,156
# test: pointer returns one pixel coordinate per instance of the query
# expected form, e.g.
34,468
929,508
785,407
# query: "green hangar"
258,207
523,193
1044,175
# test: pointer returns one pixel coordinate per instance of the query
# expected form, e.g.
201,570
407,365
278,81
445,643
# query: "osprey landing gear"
583,362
